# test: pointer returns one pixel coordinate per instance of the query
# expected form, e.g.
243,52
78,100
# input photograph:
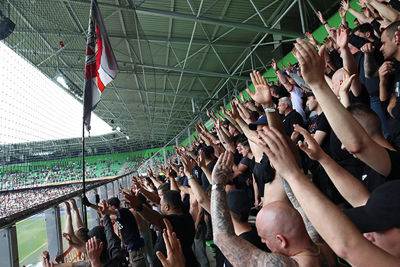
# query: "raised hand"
93,250
105,208
188,165
345,5
262,92
201,159
311,64
222,171
234,111
175,257
278,152
149,172
342,12
321,17
309,145
367,48
385,70
131,198
274,65
347,80
342,38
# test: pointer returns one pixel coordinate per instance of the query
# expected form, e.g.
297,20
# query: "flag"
100,66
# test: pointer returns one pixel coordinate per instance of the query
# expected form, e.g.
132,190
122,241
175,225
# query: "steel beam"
200,19
198,72
150,38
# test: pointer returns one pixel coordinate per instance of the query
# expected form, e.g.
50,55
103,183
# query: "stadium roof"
183,57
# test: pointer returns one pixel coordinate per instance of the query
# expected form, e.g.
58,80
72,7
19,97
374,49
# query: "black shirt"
183,226
292,118
126,223
321,124
263,173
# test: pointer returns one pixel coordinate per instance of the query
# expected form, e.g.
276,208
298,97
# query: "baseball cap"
382,210
238,201
262,120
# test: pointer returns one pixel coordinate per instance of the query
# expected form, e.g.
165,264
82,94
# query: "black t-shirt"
372,179
321,124
204,181
263,173
240,181
126,223
370,84
183,226
292,118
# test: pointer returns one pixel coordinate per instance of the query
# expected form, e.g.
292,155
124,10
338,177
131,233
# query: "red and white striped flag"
101,66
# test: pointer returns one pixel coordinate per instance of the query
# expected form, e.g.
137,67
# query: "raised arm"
148,214
385,11
238,251
196,188
348,186
346,127
349,62
370,65
331,223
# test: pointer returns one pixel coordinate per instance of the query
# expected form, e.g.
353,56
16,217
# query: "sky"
36,108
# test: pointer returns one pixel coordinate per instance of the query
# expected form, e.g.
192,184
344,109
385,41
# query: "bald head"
280,218
337,80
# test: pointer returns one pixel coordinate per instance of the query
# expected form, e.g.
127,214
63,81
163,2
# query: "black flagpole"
84,214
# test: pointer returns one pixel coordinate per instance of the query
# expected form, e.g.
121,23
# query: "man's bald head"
279,220
337,80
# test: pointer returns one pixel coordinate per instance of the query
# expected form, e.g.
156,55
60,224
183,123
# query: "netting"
41,72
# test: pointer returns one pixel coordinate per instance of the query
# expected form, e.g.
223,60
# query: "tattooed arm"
315,237
237,250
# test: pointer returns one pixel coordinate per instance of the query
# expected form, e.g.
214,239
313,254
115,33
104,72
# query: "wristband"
189,177
269,110
218,187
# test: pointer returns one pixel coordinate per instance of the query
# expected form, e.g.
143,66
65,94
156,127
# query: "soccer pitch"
32,237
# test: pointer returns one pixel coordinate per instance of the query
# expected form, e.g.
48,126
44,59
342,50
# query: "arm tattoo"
315,237
237,250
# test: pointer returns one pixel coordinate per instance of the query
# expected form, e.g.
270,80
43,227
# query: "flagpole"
84,214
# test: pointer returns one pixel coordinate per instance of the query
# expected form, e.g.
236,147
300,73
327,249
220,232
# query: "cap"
382,210
262,120
114,201
238,201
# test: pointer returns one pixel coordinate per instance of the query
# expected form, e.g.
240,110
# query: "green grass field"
32,237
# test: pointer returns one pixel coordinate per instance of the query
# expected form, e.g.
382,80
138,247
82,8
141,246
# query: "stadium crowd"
314,156
56,173
16,201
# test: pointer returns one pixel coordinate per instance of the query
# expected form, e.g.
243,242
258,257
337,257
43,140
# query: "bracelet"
218,187
269,110
139,208
190,177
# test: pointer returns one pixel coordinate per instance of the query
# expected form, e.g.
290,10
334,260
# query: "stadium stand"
299,169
